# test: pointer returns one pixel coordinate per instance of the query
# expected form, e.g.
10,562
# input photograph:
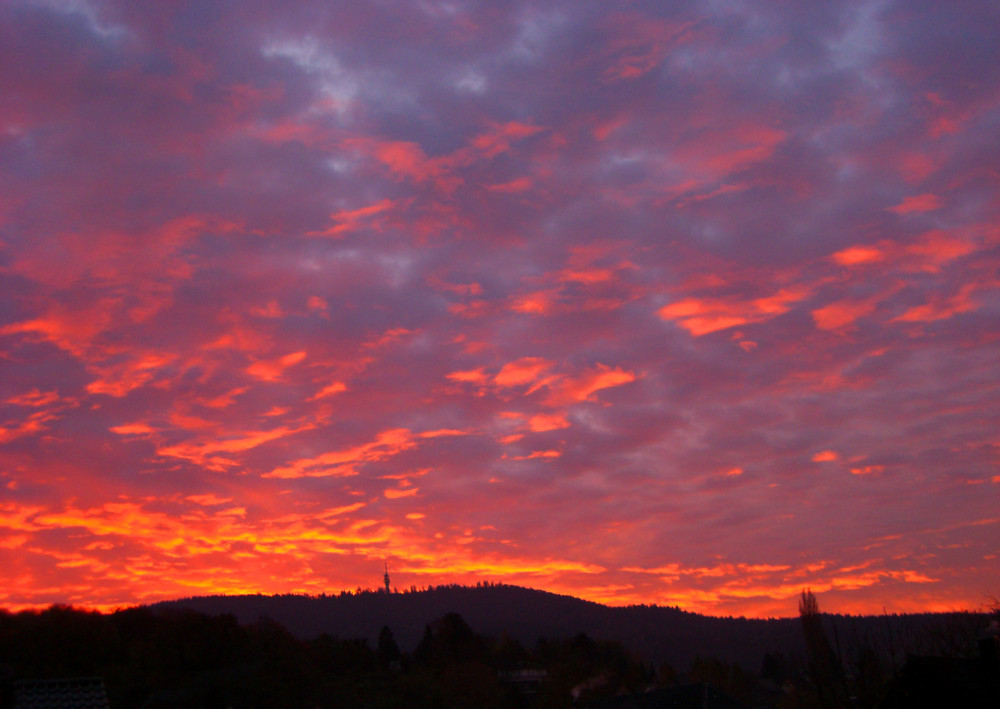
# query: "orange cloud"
208,500
438,433
917,204
498,140
472,309
825,457
408,159
700,317
119,379
521,184
936,248
133,429
537,303
211,453
747,145
471,376
867,469
857,255
842,314
494,566
457,288
223,400
707,315
526,370
586,276
539,454
352,219
942,308
395,494
71,330
928,252
273,370
329,390
35,423
580,388
547,422
344,462
271,310
34,398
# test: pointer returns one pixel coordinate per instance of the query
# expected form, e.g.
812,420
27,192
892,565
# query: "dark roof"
686,696
68,693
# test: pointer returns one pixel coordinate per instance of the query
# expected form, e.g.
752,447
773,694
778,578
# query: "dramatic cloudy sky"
691,303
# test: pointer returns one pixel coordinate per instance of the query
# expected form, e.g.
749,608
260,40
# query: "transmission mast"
386,578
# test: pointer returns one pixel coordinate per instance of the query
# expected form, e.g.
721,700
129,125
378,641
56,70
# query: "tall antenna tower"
386,578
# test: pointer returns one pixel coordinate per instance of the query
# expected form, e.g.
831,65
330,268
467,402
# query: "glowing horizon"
692,305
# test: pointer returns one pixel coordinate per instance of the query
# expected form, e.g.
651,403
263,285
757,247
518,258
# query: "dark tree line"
659,634
848,664
170,658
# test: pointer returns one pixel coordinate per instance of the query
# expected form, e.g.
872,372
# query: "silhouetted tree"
824,669
508,653
387,650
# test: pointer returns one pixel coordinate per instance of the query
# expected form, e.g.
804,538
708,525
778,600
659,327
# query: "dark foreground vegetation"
659,634
171,656
187,659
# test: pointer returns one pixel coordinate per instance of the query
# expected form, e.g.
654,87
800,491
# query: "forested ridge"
657,633
457,646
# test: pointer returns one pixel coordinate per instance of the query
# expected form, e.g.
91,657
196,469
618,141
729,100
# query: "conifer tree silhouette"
387,650
824,669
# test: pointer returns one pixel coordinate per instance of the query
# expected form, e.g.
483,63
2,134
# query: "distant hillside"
656,633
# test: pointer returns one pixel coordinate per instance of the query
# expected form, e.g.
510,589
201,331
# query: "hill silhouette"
659,634
656,633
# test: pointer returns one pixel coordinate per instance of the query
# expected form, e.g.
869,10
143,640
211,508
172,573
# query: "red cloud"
701,316
347,220
580,387
527,370
842,314
858,255
917,203
272,370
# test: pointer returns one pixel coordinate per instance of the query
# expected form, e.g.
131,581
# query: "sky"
692,303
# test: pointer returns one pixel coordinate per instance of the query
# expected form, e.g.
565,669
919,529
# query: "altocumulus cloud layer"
690,303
